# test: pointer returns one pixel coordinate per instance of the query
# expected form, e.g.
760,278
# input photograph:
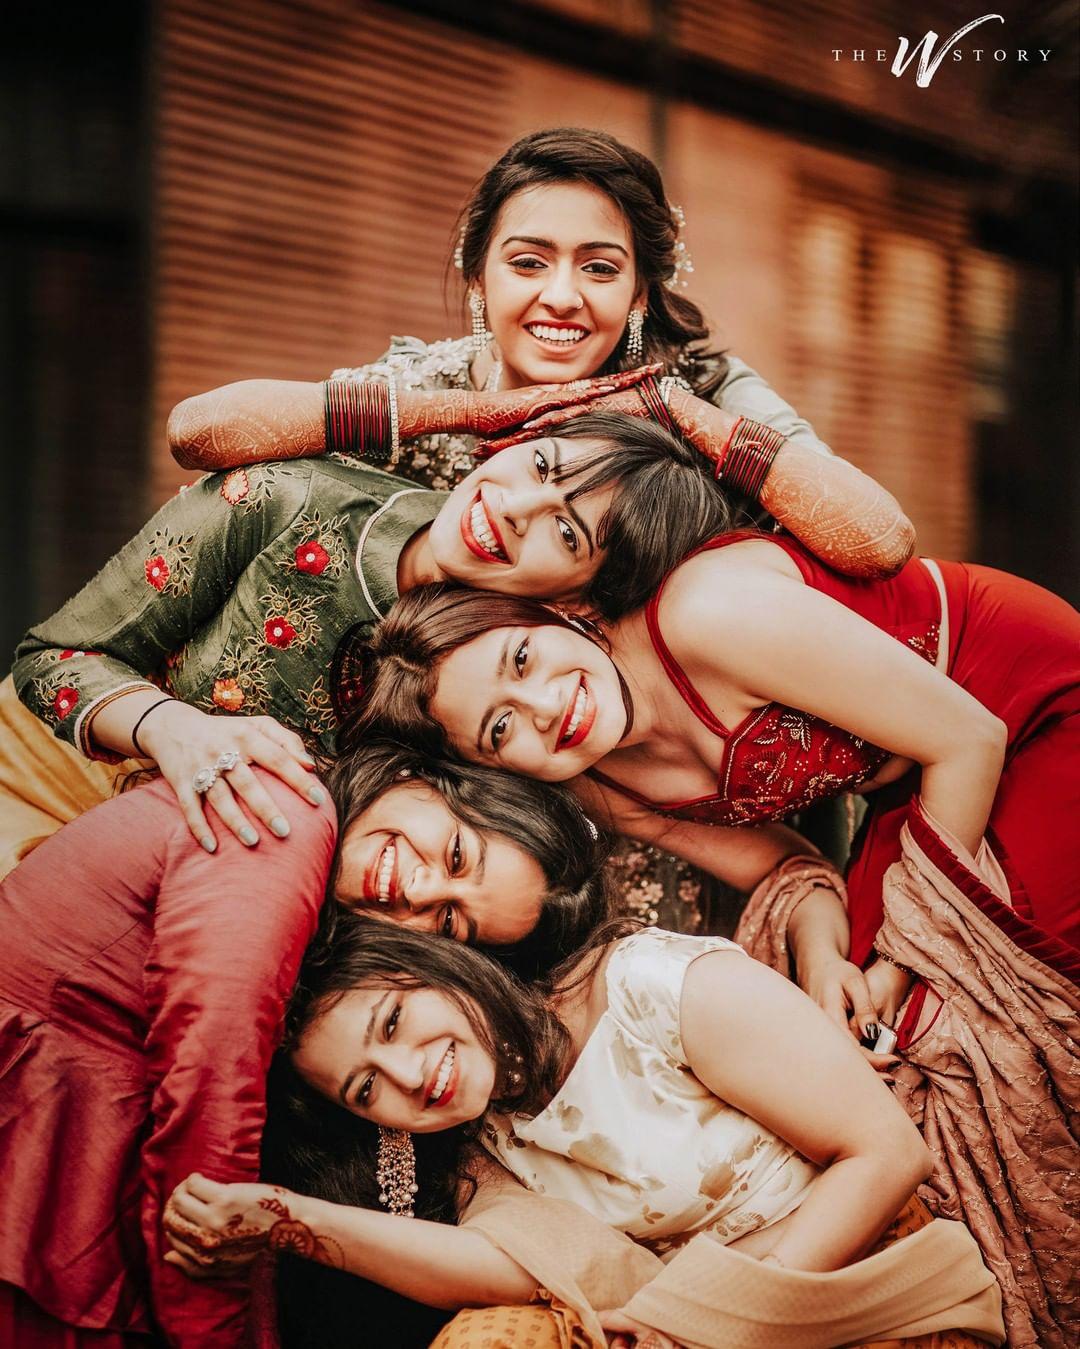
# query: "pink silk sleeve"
229,932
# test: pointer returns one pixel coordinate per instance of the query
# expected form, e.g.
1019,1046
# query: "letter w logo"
928,62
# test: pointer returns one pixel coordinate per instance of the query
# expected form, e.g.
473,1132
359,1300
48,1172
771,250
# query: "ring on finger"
227,761
203,780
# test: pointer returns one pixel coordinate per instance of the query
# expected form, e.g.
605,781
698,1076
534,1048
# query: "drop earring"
635,347
479,321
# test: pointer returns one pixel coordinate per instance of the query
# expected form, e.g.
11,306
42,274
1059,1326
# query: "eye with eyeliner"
390,1025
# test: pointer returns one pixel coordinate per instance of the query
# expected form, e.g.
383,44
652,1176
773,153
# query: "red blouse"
780,759
141,996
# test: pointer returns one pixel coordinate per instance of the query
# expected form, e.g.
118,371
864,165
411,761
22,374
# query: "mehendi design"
296,1238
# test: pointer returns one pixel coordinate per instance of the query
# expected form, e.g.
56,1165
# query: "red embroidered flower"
236,487
279,632
228,694
157,572
312,557
65,700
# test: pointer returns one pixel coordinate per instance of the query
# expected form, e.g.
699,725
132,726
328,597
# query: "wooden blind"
311,161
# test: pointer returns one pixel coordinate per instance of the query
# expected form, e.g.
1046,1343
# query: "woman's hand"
215,1229
888,986
183,741
624,1332
494,414
844,994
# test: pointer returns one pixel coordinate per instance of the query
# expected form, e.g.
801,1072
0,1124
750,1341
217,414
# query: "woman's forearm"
842,515
259,419
430,1262
819,929
849,1206
959,790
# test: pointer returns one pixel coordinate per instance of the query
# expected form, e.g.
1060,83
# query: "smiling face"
509,526
559,281
408,859
543,702
406,1058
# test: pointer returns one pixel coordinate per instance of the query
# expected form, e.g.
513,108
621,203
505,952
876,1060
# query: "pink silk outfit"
990,1040
1012,645
142,993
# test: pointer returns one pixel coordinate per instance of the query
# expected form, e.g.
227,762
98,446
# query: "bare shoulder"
711,594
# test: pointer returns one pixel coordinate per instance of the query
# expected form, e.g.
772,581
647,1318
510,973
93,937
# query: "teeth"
482,531
567,336
579,711
444,1076
386,871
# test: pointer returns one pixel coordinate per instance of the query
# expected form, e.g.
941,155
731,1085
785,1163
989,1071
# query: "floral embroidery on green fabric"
249,488
57,695
168,563
321,550
290,620
318,707
242,683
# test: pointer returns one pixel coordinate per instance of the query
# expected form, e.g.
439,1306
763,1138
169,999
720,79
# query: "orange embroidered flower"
279,632
312,557
157,572
236,487
228,694
65,700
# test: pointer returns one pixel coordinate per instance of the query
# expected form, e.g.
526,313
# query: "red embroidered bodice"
780,759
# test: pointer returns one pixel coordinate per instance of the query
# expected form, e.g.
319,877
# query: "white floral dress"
634,1137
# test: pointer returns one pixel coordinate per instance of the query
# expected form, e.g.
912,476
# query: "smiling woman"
466,852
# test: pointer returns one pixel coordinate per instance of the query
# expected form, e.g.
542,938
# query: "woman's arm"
818,934
762,1046
86,671
215,1228
259,419
779,640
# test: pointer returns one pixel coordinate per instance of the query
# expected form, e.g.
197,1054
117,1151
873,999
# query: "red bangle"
358,420
748,455
650,395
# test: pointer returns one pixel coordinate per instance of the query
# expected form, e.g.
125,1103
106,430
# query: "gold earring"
395,1171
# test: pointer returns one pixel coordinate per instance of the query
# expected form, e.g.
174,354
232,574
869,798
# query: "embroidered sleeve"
121,629
746,394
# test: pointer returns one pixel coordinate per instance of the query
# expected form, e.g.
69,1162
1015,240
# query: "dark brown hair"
676,331
663,506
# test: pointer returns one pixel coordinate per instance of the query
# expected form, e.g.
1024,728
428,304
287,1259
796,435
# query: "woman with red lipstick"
649,1088
750,685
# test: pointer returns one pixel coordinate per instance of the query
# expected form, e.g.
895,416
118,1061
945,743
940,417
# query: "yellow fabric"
531,1327
44,783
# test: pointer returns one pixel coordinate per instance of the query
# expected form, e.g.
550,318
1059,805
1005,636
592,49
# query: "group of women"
586,1132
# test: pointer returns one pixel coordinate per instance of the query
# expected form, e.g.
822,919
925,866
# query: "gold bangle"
895,963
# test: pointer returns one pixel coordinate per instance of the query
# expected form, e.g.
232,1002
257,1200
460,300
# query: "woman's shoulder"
718,583
413,363
645,975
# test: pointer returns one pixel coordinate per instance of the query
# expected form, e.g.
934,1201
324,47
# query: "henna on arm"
258,419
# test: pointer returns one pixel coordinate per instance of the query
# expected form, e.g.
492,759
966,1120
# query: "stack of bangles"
362,420
748,453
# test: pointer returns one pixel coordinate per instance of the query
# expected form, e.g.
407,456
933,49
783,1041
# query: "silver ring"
203,780
227,761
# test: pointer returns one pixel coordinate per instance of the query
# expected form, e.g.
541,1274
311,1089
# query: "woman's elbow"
185,429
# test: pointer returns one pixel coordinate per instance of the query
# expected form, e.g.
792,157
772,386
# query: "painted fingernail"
280,825
209,842
316,796
248,836
871,1031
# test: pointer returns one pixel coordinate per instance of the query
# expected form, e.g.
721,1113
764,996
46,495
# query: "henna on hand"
247,423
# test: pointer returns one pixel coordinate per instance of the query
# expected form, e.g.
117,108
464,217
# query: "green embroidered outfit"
234,598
